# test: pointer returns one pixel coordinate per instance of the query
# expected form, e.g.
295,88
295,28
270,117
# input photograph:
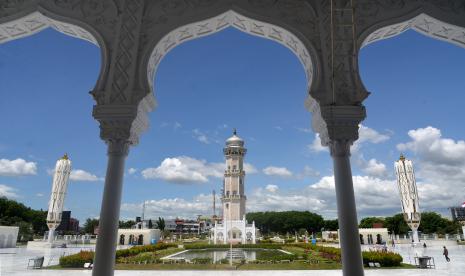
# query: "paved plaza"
14,262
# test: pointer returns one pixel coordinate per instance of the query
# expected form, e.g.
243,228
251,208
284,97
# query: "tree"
161,224
90,225
13,213
286,222
126,224
396,224
432,222
331,225
150,224
368,222
25,232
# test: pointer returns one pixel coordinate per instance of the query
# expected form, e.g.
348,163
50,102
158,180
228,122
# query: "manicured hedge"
143,248
77,260
202,260
273,255
385,259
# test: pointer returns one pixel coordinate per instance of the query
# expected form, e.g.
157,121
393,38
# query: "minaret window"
234,167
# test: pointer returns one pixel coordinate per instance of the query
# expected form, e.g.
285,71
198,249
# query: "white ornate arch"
36,22
218,23
423,24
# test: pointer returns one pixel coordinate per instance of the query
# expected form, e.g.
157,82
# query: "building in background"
138,236
8,236
458,214
68,224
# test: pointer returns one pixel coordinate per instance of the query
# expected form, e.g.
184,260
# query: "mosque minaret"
234,227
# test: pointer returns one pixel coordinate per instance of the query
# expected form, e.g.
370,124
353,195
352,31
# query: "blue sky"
208,86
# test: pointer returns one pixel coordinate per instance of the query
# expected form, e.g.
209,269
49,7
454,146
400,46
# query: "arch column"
338,129
116,126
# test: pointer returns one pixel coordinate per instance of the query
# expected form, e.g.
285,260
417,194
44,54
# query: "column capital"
336,122
121,122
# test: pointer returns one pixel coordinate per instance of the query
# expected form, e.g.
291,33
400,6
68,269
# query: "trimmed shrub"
77,260
143,248
386,259
202,260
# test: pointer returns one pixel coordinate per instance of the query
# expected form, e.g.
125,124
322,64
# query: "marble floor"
14,262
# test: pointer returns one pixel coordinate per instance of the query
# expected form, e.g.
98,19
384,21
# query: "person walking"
446,254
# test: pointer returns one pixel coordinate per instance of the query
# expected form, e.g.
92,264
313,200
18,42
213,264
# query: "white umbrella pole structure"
408,195
57,198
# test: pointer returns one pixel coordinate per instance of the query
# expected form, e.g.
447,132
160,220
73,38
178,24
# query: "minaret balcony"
234,173
231,197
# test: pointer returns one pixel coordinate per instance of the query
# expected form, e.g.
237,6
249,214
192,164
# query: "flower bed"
77,260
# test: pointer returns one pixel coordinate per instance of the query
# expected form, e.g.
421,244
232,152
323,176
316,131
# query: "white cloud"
272,188
249,168
277,171
81,175
316,146
367,134
273,199
171,208
200,136
278,128
374,168
308,172
17,167
374,196
7,191
132,170
429,144
39,194
184,169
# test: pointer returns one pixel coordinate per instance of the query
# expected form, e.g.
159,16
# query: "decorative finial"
65,157
234,131
402,157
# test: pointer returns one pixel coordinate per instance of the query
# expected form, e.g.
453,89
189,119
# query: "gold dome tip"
65,157
402,157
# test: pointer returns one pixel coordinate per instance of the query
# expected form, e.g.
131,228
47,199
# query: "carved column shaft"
104,260
347,212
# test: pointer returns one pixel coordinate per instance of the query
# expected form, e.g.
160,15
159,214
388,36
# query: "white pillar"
254,231
51,233
415,237
104,260
349,238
